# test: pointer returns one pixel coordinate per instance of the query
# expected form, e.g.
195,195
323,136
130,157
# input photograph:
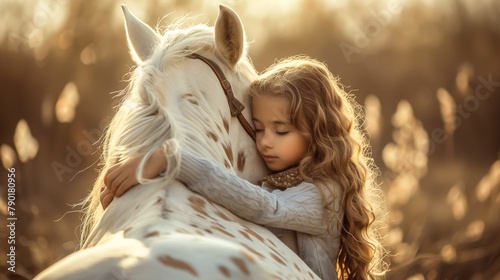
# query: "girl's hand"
121,177
106,197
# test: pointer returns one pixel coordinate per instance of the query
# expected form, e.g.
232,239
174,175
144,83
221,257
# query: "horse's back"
181,236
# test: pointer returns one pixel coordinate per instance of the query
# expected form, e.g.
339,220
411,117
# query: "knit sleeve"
298,208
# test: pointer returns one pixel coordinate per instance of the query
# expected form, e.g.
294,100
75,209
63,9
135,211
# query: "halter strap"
235,106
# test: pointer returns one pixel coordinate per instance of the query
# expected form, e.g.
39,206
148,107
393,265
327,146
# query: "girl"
322,200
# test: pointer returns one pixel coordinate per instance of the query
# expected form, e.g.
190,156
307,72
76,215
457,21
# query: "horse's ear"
229,35
141,38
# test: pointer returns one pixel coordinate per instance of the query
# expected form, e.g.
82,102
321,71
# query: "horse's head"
175,99
176,102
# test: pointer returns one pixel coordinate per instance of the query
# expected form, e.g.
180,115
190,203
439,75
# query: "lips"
269,158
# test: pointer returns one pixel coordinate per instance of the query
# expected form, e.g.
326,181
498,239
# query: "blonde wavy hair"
331,120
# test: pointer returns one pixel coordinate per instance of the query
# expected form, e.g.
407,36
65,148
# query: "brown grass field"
427,73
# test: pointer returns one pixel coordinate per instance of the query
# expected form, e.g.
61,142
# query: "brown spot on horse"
241,265
276,258
152,234
226,125
253,251
296,267
222,231
245,235
224,271
223,216
229,151
190,98
212,136
256,235
198,204
240,163
178,264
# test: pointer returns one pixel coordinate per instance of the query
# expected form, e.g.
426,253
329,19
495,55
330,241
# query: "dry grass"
432,116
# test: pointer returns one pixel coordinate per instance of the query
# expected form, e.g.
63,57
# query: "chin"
274,169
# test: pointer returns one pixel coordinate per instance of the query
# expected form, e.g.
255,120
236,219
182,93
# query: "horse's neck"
204,118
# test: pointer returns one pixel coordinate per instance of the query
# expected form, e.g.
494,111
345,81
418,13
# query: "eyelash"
277,132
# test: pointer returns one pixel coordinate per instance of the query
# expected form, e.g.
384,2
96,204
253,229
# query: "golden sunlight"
489,182
447,106
458,202
448,253
67,102
3,207
465,73
26,144
475,230
373,117
88,55
8,156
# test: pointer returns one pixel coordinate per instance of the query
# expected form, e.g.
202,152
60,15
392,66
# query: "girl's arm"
298,208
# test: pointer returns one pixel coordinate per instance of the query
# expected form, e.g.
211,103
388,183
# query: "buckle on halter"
235,106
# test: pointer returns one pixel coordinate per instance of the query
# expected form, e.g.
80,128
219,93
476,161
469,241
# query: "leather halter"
235,106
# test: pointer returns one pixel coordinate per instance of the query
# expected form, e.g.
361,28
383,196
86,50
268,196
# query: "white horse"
160,229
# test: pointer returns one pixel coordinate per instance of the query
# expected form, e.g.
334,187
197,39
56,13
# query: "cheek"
302,146
258,145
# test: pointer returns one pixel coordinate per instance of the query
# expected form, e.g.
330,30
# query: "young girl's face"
279,142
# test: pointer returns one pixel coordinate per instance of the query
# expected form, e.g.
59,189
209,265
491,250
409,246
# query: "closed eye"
282,133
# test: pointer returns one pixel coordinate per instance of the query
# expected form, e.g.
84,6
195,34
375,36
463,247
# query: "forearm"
299,208
218,185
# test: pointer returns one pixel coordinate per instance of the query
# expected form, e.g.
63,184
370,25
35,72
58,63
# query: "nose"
265,140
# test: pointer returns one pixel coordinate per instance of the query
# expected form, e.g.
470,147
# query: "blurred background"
427,72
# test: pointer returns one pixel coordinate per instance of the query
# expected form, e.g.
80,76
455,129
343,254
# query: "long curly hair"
331,120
